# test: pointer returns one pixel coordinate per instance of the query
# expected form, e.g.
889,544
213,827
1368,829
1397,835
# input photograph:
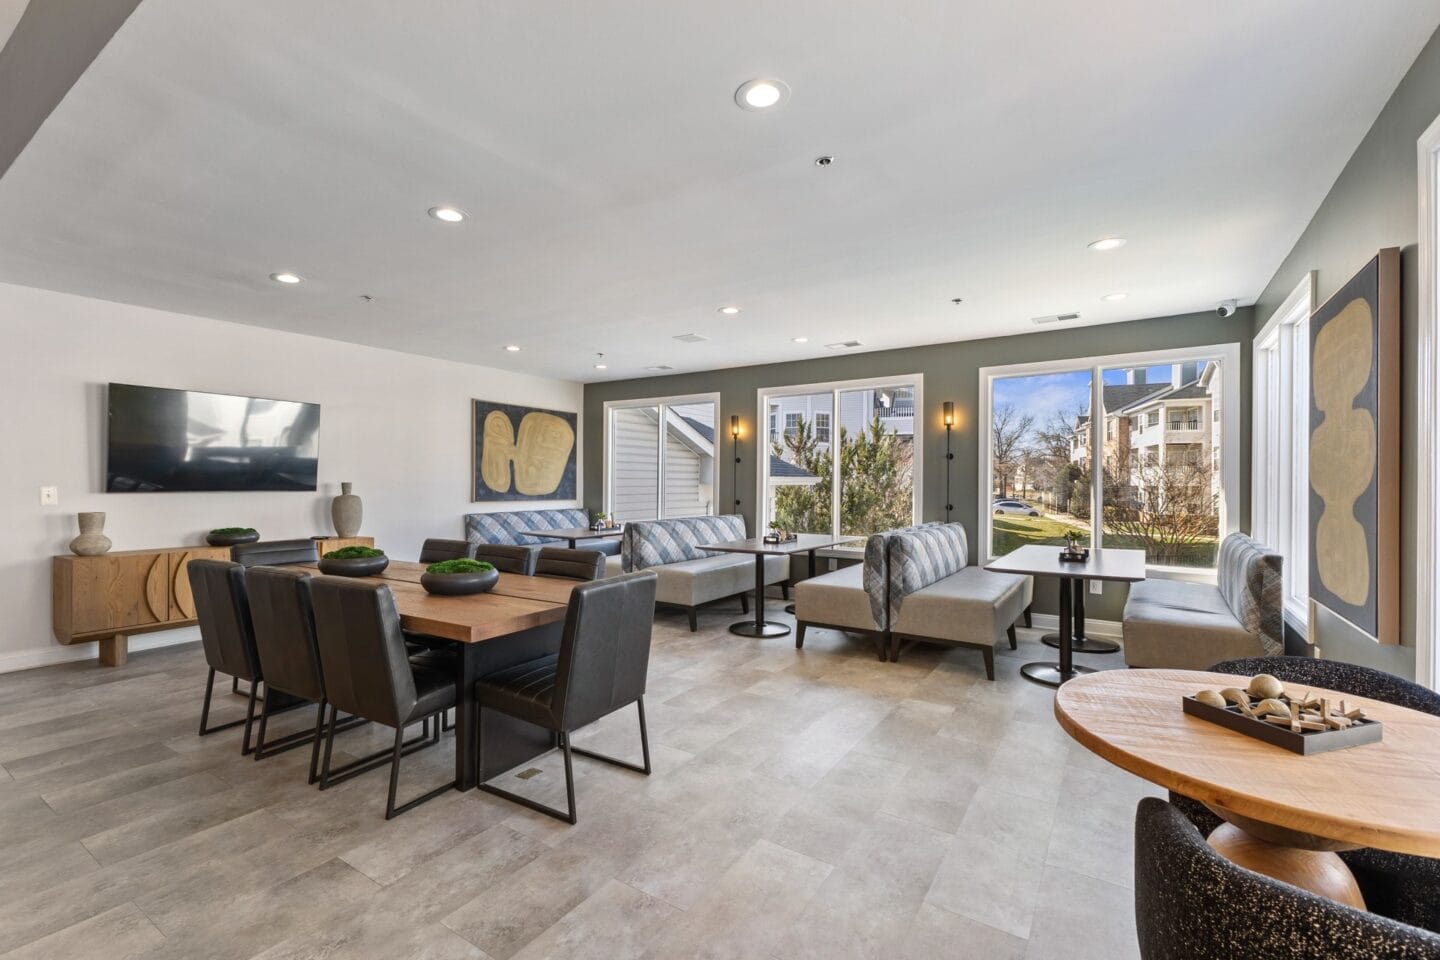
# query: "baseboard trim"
69,653
1049,622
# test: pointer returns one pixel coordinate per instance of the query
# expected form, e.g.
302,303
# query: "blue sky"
1041,396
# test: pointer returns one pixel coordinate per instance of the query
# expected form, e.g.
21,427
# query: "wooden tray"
1306,742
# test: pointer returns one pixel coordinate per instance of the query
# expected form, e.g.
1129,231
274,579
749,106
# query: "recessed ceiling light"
447,214
601,366
824,161
511,348
1109,243
729,311
761,94
1113,297
285,277
800,340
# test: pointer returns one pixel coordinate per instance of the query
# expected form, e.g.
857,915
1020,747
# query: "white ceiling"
618,196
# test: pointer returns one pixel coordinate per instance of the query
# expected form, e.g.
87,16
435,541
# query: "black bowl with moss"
230,536
457,578
354,562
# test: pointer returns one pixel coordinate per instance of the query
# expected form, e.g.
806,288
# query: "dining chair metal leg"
564,744
329,744
315,745
205,727
329,777
431,736
644,748
245,747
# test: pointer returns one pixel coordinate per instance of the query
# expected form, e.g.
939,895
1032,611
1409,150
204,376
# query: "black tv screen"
162,441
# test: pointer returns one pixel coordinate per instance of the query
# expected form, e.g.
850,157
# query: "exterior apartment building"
1152,426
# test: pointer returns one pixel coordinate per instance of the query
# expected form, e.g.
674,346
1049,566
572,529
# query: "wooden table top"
515,603
574,533
1384,794
803,543
1044,561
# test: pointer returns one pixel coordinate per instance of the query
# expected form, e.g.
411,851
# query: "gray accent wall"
952,372
1374,204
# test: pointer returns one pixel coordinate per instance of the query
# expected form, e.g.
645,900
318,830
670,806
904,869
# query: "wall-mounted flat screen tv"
166,441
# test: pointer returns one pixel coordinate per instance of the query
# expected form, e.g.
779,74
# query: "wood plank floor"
804,804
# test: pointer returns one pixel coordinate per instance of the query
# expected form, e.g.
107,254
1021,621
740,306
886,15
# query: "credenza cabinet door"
114,592
182,600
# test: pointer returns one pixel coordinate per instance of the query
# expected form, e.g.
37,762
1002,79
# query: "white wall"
395,424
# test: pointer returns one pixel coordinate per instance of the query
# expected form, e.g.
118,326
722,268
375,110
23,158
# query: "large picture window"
841,459
660,458
1133,451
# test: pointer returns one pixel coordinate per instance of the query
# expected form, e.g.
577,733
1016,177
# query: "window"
660,457
1427,547
1120,486
1280,491
847,462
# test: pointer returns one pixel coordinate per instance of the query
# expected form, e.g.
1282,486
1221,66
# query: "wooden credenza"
109,597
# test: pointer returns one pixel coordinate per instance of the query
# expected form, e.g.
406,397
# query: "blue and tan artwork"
1354,450
522,453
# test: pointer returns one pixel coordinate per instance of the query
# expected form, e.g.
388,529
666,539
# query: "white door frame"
1427,493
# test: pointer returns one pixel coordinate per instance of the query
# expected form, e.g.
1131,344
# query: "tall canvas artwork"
522,453
1355,450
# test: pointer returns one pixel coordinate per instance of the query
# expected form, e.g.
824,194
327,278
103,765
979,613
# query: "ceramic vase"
345,512
92,541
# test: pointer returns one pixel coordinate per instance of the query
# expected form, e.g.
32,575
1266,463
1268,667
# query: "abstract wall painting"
1355,450
523,453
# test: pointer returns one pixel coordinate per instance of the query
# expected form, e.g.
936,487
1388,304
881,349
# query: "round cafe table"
1285,814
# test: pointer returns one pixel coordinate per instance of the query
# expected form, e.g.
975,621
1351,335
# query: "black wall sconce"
949,409
735,470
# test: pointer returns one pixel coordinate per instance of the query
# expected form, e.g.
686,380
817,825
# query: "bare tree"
1170,509
1009,429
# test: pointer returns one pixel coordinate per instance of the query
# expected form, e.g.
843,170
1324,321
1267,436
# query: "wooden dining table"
519,619
1285,814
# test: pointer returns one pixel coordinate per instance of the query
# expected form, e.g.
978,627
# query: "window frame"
1280,444
763,397
1228,354
662,404
1427,467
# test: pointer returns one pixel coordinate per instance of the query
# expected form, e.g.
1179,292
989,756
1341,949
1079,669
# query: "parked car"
1017,507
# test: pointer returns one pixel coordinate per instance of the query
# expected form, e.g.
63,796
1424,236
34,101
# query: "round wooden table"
1286,813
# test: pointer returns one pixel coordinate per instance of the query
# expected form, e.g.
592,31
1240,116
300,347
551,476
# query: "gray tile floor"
804,804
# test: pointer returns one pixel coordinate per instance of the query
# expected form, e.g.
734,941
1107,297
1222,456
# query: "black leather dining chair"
368,674
435,550
1193,904
602,664
1400,886
507,558
284,619
227,635
576,564
274,552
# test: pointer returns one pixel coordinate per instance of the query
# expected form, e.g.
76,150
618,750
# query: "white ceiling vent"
843,345
1056,318
691,338
660,366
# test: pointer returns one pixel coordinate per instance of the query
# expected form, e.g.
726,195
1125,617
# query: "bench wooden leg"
744,603
114,650
694,620
1010,632
989,663
1028,611
799,634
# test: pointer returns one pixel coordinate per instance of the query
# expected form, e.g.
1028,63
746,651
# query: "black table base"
1054,674
1080,643
759,628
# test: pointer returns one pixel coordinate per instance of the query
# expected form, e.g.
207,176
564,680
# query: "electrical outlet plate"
1097,586
49,496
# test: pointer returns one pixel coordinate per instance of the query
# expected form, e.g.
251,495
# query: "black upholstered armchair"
368,673
507,558
226,633
601,667
275,552
576,564
1193,904
1396,885
435,550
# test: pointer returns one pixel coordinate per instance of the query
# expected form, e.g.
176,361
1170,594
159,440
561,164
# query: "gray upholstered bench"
688,576
1172,623
916,586
505,527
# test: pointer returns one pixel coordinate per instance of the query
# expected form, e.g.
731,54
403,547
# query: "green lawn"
1012,532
